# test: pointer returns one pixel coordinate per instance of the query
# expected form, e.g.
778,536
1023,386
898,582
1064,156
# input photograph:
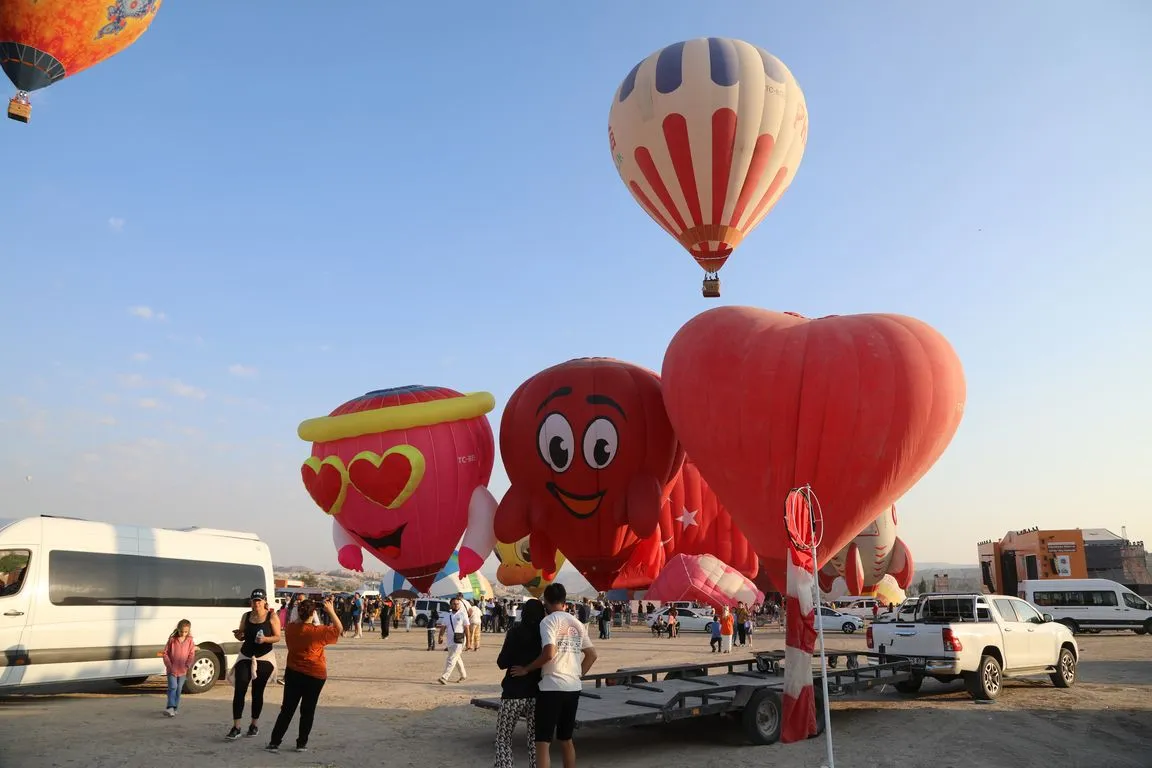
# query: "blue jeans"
175,686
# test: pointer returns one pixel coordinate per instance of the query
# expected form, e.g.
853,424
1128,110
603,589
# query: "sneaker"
461,680
174,712
442,681
301,748
253,730
169,712
273,747
233,734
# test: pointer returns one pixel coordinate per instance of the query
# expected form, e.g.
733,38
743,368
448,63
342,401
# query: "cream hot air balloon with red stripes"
707,134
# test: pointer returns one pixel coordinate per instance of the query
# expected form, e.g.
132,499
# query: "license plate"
916,661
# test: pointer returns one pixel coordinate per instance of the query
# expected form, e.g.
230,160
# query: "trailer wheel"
985,683
911,685
764,717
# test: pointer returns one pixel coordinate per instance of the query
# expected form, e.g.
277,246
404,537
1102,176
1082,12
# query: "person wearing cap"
259,630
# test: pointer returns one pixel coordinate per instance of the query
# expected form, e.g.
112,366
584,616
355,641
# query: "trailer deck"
753,685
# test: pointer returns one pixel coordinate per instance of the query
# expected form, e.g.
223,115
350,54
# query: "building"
1078,553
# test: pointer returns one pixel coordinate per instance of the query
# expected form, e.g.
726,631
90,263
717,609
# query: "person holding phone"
307,670
259,630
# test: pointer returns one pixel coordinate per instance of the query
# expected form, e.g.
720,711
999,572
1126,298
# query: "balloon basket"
19,110
711,288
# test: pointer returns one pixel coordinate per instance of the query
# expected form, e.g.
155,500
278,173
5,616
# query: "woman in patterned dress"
518,696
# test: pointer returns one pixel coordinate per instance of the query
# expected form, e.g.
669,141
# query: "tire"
987,681
1147,628
911,685
1141,631
763,717
130,681
848,628
422,621
1065,674
204,672
708,628
1073,627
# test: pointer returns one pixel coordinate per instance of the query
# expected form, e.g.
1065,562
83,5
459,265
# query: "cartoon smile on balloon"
403,472
588,450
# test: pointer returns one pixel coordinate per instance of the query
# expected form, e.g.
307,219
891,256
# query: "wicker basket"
19,110
711,287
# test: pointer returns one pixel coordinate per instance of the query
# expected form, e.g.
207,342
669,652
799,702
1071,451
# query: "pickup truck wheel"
1065,674
911,685
848,628
764,717
985,683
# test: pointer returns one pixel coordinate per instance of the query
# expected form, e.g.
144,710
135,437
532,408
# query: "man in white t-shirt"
566,656
455,623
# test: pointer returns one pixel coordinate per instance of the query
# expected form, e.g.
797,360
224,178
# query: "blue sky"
263,210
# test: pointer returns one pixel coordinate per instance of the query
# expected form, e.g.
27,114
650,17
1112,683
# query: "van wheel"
1073,627
985,683
130,681
421,621
911,685
1065,674
204,672
764,717
1147,627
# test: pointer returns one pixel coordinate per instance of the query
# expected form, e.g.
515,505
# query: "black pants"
742,634
715,643
431,638
300,690
241,679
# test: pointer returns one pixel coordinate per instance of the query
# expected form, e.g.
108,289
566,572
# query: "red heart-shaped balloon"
857,406
326,482
389,479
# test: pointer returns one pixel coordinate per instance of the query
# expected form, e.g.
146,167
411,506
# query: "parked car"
690,619
424,609
834,621
1089,605
980,639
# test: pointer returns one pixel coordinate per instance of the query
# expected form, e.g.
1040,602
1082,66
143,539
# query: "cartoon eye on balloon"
522,550
600,443
555,442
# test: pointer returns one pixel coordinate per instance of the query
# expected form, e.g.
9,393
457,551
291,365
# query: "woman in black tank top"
259,630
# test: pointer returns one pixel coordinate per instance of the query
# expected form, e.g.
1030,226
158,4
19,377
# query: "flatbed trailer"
751,686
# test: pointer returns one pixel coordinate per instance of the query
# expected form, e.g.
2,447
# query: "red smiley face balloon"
858,406
588,450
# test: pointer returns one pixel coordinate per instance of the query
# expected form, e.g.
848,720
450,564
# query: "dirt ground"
382,707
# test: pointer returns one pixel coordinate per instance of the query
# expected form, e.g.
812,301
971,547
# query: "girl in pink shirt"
179,654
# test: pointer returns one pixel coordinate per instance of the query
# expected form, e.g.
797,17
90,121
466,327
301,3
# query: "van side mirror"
1047,617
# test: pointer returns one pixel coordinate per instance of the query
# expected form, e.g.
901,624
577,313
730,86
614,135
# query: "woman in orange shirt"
307,670
727,627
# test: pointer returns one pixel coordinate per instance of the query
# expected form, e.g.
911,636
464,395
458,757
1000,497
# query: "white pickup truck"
980,639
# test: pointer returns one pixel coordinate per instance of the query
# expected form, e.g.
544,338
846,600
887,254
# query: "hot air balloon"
857,406
707,134
516,569
588,450
445,585
874,553
43,41
644,564
705,579
403,472
696,523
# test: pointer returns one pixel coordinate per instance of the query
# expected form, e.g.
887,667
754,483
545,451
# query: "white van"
860,607
83,600
1089,604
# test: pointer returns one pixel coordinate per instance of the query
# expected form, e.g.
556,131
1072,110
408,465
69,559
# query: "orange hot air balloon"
707,134
44,41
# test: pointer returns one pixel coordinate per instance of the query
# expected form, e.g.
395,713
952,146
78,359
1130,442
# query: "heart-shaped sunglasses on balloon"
388,479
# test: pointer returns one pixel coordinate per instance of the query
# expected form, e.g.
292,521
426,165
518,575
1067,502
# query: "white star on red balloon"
688,518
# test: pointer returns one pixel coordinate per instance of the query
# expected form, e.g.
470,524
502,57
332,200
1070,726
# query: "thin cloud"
148,403
116,224
242,371
132,380
180,389
107,421
147,313
141,357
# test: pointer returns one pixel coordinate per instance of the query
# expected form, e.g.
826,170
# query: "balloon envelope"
446,584
706,135
705,579
43,41
516,569
857,406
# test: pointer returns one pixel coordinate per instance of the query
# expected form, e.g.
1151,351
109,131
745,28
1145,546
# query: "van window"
13,568
1080,598
1132,601
95,578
